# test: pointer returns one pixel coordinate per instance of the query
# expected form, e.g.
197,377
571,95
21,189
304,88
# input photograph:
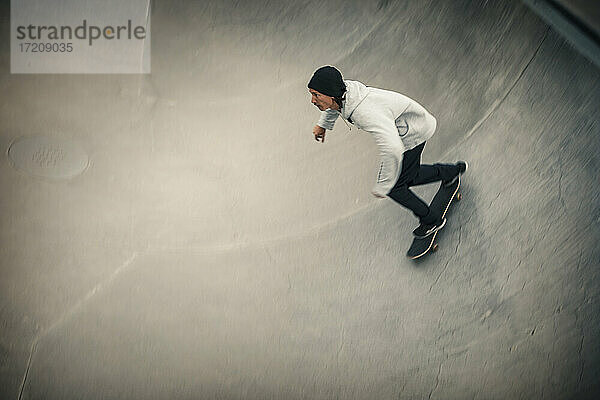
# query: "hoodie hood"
356,92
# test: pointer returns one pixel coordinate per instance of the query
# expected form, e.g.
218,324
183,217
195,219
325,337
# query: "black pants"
414,174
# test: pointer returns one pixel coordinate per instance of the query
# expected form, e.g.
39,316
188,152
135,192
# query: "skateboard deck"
441,202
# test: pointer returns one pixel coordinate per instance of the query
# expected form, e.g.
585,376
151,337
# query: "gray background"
213,250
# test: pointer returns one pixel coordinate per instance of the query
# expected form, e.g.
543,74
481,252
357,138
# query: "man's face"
323,102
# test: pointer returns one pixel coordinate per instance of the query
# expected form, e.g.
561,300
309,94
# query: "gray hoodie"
397,123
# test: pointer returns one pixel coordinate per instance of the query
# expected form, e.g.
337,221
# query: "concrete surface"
588,12
565,17
214,250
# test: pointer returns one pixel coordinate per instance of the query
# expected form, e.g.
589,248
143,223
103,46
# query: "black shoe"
423,231
462,168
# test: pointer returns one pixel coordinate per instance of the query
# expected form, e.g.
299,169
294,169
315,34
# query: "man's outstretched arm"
328,118
326,121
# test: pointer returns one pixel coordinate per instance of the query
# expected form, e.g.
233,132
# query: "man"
400,127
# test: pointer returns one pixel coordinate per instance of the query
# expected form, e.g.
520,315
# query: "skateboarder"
400,127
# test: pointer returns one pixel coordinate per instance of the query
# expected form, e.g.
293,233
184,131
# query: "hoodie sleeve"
391,152
328,118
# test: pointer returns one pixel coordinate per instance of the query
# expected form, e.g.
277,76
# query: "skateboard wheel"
458,196
435,247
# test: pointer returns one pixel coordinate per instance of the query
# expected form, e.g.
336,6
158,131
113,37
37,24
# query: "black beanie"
328,80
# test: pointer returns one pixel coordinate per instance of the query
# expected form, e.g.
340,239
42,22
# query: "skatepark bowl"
181,235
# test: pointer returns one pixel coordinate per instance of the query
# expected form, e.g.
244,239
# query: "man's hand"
319,133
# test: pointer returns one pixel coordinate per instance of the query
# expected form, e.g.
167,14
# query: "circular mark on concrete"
48,157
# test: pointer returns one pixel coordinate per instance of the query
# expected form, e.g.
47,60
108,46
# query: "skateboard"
441,201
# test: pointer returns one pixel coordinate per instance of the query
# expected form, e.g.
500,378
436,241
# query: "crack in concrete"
560,178
582,368
67,314
341,345
509,274
439,275
580,350
437,380
496,104
521,259
501,223
494,199
450,332
516,344
459,240
570,237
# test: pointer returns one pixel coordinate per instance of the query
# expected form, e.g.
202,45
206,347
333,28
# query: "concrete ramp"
213,250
